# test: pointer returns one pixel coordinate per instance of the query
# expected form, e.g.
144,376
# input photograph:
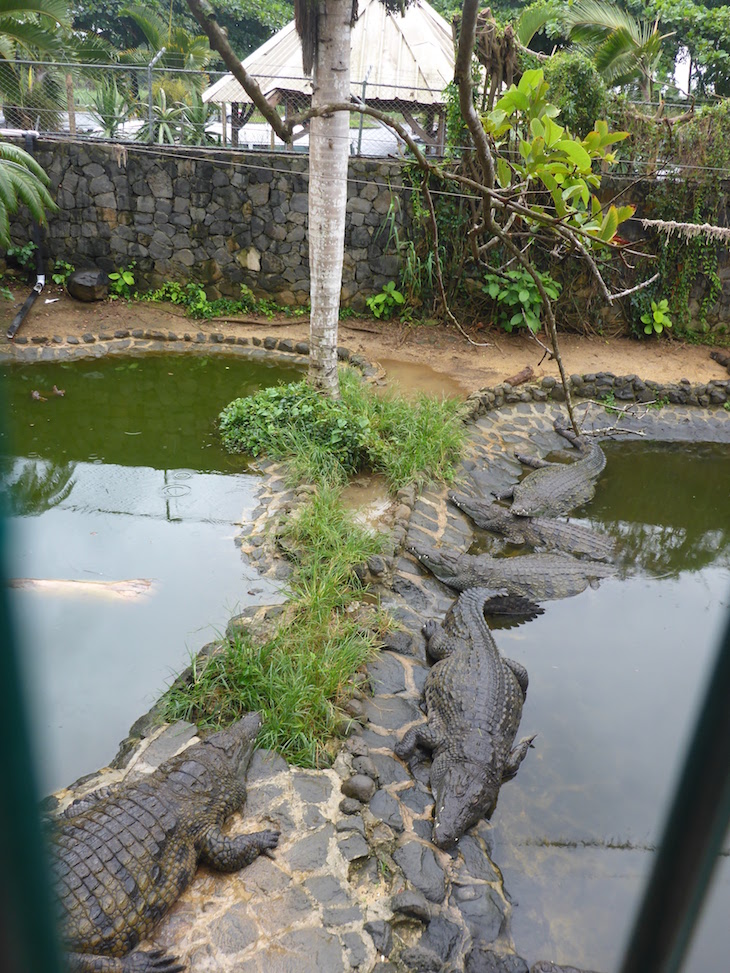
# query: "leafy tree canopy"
248,22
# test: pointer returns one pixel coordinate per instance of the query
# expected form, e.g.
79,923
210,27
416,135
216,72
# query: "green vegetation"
299,677
193,298
518,300
62,270
121,282
656,320
326,440
386,303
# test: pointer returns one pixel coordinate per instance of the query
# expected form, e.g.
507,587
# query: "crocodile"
122,855
536,531
473,699
557,488
538,577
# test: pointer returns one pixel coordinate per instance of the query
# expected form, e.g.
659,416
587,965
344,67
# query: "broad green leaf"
524,296
553,133
531,80
576,153
625,213
504,173
525,149
537,128
609,225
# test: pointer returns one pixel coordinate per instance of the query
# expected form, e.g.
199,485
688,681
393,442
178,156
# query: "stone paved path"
356,883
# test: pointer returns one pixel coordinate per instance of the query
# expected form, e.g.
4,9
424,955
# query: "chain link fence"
151,103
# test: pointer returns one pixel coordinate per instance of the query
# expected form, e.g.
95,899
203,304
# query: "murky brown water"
411,378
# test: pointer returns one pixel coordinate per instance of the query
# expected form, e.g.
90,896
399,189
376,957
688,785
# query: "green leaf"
504,173
576,152
524,296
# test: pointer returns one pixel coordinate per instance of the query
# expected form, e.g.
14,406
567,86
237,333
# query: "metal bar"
693,835
362,117
27,928
152,63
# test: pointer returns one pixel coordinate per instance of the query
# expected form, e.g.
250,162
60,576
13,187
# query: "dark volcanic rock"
481,959
420,867
88,285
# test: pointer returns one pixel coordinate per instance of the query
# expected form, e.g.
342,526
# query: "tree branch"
205,15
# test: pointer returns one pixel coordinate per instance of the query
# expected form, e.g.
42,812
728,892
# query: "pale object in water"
130,588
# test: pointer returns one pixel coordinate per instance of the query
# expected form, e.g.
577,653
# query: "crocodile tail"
511,604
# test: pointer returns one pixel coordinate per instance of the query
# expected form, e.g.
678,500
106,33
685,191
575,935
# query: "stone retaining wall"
221,218
226,218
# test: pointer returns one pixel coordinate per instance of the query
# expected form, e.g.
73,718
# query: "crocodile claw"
154,961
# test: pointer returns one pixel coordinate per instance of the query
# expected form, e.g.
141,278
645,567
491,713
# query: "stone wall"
221,218
228,218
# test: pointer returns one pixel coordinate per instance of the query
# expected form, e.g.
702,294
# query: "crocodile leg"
518,754
231,854
533,461
437,643
89,800
520,674
424,735
155,961
504,494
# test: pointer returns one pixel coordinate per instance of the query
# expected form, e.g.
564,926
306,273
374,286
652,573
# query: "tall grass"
300,677
324,441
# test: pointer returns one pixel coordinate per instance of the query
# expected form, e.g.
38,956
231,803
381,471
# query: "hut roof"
407,58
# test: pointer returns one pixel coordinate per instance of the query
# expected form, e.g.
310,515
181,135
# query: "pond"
616,675
121,479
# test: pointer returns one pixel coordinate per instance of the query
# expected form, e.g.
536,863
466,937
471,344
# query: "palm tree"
624,48
21,181
29,28
325,27
183,51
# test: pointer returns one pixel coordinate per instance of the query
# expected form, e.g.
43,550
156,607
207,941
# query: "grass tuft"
300,677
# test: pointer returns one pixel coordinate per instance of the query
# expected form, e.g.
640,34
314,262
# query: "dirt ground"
429,357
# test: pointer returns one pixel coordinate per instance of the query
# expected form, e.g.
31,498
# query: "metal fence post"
152,63
362,98
695,829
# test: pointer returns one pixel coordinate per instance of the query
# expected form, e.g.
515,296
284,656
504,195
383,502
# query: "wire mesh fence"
152,103
155,104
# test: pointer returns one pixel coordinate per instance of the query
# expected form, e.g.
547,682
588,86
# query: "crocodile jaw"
464,794
232,748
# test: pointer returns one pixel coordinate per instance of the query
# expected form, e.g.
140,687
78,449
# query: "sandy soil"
434,358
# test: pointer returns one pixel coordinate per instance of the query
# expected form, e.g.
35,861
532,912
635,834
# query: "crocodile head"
489,514
229,751
464,793
441,563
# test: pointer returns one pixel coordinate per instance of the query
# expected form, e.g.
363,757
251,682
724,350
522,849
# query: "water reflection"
30,487
616,675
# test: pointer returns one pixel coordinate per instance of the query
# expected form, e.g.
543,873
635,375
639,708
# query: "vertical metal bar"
152,63
693,834
27,928
362,99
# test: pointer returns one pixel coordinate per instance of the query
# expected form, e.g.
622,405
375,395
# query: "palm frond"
57,10
530,21
588,19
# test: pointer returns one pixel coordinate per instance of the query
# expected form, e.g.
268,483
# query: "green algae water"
121,479
616,676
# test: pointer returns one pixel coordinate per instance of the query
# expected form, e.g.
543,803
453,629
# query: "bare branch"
205,15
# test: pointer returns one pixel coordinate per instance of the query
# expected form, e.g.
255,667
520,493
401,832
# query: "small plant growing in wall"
656,320
385,304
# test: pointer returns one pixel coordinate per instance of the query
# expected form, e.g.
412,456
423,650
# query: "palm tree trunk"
329,148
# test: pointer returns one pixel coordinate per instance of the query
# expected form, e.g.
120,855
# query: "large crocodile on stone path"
536,531
539,577
474,700
125,853
557,488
